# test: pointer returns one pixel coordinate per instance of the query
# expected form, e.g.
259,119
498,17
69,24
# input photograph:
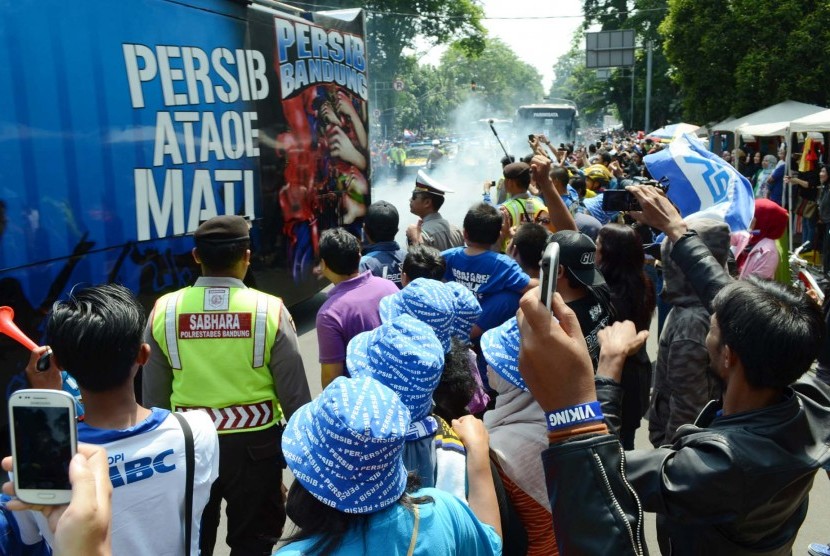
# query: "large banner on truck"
124,125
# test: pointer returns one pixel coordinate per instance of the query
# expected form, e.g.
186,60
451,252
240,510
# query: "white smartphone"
549,269
44,439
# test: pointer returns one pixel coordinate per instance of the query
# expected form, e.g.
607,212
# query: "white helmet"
435,142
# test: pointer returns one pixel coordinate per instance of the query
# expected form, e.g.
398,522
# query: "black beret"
221,229
516,169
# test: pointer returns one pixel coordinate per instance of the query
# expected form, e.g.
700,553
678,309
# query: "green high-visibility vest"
522,209
218,342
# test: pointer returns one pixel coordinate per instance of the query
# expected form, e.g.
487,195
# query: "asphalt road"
815,527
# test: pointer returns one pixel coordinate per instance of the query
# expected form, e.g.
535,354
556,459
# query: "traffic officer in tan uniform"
232,351
432,229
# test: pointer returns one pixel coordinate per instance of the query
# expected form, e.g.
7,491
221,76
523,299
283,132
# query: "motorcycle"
808,278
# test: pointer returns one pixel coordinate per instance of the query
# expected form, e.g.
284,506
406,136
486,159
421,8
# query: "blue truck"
124,125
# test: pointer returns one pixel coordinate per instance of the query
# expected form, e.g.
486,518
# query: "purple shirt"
352,308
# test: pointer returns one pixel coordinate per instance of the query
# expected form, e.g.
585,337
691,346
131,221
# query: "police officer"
398,155
232,351
432,229
520,206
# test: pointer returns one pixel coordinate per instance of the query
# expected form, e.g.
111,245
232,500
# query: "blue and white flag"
702,184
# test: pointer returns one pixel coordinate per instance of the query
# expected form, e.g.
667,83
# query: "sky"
538,31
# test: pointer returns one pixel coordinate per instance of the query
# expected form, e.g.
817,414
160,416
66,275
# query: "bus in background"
127,124
557,120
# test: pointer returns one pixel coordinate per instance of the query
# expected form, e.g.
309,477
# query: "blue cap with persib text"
500,347
429,301
346,446
467,311
404,355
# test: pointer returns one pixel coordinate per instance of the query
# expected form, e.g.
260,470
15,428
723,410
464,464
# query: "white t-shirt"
147,469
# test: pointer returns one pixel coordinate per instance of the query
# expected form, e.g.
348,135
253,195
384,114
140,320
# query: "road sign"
609,49
398,85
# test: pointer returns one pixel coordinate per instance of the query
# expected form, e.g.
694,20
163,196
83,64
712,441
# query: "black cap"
381,215
576,254
222,229
516,170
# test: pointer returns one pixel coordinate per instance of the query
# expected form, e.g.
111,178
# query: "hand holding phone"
44,439
548,271
83,526
536,145
619,200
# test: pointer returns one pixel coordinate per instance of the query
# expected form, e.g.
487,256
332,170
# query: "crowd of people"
459,414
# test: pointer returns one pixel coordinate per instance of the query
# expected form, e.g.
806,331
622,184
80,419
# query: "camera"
619,200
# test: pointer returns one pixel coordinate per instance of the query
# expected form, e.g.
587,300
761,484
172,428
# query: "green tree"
572,80
502,81
644,17
433,95
773,66
427,100
731,58
393,25
701,43
611,14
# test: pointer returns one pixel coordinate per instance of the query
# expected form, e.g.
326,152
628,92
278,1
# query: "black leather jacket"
733,485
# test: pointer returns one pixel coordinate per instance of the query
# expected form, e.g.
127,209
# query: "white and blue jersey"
147,470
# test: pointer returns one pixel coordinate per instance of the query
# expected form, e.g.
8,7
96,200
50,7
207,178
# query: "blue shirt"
594,208
498,308
446,527
11,539
776,187
571,199
484,274
383,259
489,276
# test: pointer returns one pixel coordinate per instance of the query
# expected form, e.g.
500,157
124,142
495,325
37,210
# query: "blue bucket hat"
403,354
467,311
346,446
429,301
500,347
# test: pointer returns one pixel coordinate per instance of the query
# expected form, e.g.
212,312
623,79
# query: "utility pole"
648,87
631,127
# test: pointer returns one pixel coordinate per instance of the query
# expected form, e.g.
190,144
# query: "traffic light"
473,86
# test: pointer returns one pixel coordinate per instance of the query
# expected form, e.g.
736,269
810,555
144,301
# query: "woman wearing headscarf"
404,355
352,494
518,432
759,181
755,250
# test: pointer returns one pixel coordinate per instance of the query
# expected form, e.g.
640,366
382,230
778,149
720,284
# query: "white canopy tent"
818,121
773,118
764,130
777,120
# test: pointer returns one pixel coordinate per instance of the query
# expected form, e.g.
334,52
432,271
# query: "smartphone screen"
43,447
548,270
44,441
